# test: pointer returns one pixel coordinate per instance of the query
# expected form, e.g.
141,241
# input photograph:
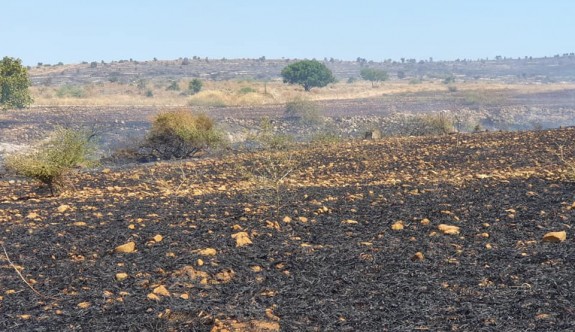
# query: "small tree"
308,73
373,75
50,161
14,84
195,86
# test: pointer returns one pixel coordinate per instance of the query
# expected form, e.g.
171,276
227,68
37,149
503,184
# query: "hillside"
356,243
542,70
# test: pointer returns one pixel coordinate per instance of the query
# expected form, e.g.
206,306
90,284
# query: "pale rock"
448,229
121,276
242,239
555,237
126,248
208,252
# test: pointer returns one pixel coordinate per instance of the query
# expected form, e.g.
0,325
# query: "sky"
74,31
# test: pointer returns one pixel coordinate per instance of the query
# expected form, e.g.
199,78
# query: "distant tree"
173,86
308,73
401,74
93,64
14,84
185,62
373,75
195,86
449,79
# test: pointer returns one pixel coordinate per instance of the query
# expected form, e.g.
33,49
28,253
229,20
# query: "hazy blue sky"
94,30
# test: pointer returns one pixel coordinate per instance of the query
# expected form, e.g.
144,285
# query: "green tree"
374,75
195,86
308,73
14,84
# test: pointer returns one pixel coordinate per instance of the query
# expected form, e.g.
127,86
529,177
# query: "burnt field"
491,110
401,234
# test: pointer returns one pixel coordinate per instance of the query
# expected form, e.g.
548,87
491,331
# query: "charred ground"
329,260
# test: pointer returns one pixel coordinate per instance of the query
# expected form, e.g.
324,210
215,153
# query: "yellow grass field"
228,93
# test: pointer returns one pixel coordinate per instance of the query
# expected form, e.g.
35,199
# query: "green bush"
50,161
173,86
195,86
72,91
180,134
325,137
247,89
302,110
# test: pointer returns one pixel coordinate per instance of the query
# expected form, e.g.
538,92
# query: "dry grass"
228,93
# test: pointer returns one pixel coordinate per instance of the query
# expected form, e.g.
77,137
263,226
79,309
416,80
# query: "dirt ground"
360,241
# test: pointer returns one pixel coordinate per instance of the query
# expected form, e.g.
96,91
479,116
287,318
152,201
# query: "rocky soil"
442,234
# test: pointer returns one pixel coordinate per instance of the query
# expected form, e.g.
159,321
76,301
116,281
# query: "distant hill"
542,70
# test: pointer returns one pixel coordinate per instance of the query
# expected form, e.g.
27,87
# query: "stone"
373,134
418,256
242,239
448,229
63,208
126,248
397,226
158,238
208,252
555,237
121,276
84,305
161,290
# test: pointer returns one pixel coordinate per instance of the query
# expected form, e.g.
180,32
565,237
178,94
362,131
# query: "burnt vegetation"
441,210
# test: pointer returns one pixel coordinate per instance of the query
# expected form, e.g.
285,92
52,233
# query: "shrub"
325,137
429,124
247,89
72,91
302,110
51,160
173,86
420,125
449,80
195,86
180,134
